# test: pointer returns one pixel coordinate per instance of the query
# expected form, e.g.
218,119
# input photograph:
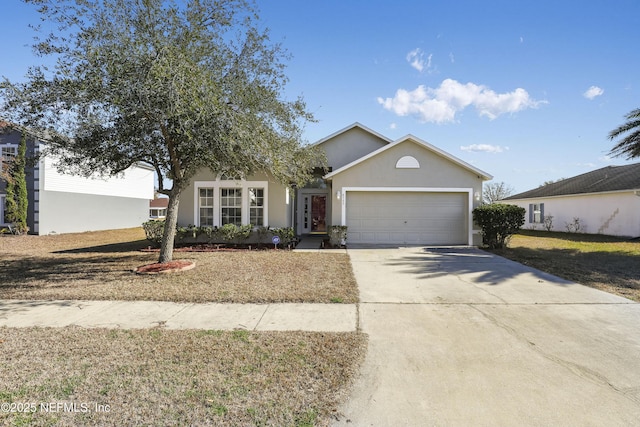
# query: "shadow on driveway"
483,267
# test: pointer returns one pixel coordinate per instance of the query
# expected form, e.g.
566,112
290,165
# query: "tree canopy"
495,191
629,145
180,86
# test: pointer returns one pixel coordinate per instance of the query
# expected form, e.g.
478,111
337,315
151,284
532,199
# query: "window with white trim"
221,202
231,206
205,206
7,154
256,207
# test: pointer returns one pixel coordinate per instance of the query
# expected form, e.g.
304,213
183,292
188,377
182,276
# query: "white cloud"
487,148
440,105
416,59
592,92
606,159
451,57
393,126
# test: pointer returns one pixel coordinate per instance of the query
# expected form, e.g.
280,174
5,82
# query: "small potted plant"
338,236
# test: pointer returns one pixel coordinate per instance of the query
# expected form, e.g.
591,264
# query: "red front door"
318,213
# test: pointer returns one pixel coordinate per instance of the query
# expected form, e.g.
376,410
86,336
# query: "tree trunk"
169,235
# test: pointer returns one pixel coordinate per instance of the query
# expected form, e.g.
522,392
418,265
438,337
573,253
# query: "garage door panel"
407,217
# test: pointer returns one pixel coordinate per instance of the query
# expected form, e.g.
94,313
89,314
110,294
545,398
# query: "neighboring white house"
603,201
62,203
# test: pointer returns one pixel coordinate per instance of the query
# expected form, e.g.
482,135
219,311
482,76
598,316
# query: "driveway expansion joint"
266,308
575,368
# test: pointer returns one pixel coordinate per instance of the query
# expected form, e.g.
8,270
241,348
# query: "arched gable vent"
407,162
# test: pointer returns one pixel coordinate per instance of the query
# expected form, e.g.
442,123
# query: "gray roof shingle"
610,178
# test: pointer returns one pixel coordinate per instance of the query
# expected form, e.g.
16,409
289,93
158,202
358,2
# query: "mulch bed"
207,247
166,267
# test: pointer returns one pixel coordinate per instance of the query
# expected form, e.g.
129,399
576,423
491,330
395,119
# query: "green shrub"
243,233
498,223
286,235
154,230
210,232
16,198
262,233
228,232
338,235
188,232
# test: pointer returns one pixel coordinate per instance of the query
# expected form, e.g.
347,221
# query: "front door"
314,213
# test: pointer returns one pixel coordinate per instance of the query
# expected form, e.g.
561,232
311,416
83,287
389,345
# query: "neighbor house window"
7,154
157,212
536,213
231,206
205,204
256,206
3,205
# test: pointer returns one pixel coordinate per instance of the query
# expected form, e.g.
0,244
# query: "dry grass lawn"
81,377
98,266
173,378
607,263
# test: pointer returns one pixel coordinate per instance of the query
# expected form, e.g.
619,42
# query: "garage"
407,217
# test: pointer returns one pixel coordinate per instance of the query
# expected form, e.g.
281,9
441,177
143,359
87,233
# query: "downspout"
294,208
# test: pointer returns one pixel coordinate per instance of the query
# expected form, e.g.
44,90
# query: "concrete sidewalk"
168,315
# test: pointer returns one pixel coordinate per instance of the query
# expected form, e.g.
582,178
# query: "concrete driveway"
462,337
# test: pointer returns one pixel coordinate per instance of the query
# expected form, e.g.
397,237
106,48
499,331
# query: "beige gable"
351,144
388,168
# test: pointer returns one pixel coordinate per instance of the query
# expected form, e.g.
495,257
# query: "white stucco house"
63,203
385,191
605,201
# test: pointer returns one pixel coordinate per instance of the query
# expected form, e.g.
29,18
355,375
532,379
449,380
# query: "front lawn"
98,266
75,376
607,263
153,377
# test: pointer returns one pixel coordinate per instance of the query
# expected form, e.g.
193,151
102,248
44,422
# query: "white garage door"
407,217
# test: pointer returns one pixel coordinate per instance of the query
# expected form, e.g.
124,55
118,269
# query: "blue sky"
524,90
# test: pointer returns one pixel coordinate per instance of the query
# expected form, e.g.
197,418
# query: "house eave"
481,174
348,128
635,191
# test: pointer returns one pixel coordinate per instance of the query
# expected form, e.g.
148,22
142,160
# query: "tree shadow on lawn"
20,305
477,265
576,237
614,268
132,246
29,272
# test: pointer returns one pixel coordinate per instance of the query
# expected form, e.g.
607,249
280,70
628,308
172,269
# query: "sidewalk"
168,315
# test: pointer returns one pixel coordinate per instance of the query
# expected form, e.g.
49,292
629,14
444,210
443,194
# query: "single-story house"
63,203
604,201
158,207
405,191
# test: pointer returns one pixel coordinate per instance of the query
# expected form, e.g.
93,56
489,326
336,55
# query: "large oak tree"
179,85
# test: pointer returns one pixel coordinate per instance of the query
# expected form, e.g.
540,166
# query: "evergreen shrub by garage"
498,222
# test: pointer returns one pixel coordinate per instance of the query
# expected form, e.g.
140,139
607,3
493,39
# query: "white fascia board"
485,176
635,191
348,128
